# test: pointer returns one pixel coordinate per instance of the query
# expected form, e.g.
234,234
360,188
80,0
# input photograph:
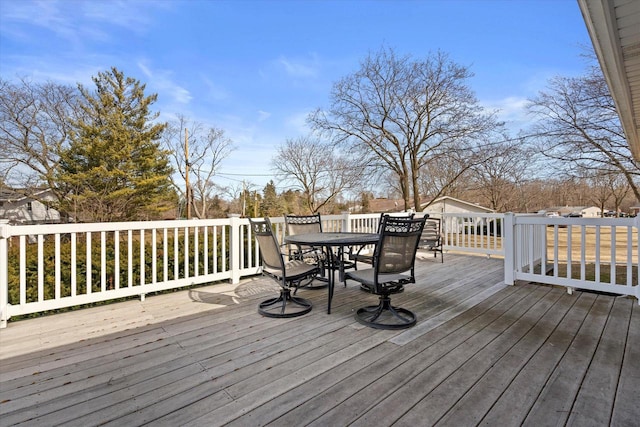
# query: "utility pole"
186,177
255,204
244,200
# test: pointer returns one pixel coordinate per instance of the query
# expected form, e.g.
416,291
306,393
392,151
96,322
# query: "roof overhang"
614,28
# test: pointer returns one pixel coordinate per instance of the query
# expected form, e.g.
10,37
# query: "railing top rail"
17,230
34,229
469,215
543,220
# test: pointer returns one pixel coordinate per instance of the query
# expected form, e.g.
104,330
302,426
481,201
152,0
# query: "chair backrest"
303,224
431,234
268,244
396,251
409,215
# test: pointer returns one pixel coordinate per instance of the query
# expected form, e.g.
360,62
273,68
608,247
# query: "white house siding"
451,205
28,211
591,212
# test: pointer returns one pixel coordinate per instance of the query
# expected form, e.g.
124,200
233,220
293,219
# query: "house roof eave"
445,198
614,29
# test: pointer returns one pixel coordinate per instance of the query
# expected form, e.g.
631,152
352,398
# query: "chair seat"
366,277
364,258
295,269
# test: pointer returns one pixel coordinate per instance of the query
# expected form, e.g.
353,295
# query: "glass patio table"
330,242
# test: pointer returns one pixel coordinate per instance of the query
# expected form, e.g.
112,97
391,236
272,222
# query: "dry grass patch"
602,249
591,273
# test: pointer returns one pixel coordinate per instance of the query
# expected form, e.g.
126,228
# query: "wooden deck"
481,354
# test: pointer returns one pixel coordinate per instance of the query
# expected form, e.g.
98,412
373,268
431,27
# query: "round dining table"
332,241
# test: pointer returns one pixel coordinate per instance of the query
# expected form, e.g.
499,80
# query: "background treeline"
399,127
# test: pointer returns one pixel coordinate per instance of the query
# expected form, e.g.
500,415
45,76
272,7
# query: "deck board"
594,402
625,408
482,353
429,370
481,384
522,391
557,397
352,396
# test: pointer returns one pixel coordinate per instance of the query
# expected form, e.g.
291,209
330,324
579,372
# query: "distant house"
591,212
28,207
583,211
447,204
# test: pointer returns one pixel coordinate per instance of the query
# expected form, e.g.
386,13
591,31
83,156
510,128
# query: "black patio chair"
286,273
367,257
431,238
303,224
393,265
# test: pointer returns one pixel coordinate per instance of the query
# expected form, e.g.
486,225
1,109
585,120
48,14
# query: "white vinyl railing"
54,266
598,254
472,233
49,267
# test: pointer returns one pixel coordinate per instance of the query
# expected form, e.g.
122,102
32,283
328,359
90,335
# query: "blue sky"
257,68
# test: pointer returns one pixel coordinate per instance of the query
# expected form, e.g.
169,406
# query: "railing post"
346,222
5,234
234,247
508,236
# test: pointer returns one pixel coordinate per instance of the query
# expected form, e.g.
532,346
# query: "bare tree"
608,189
446,174
619,190
316,170
35,125
600,192
579,128
6,167
400,112
206,151
240,194
505,167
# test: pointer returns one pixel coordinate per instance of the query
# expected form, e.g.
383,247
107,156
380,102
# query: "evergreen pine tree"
271,205
115,169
